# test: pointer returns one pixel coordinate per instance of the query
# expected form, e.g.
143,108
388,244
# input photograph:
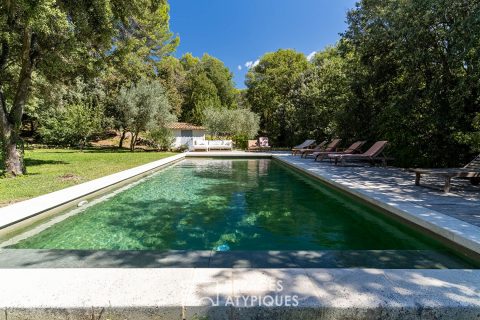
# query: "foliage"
404,71
72,126
241,124
76,117
414,76
144,107
471,138
51,41
162,137
195,84
319,97
172,76
269,86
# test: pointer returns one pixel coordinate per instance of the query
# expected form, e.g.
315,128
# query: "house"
184,133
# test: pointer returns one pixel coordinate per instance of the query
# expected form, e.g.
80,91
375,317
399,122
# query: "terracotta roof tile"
184,126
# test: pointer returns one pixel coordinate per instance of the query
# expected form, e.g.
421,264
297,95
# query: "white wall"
179,140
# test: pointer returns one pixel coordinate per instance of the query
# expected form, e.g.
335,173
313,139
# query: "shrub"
73,125
162,138
240,124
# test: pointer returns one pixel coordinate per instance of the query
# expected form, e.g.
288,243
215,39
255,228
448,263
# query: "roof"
184,126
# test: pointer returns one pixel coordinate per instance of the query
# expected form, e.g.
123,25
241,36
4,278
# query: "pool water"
229,205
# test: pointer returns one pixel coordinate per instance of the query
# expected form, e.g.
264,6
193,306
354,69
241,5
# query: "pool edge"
24,210
443,226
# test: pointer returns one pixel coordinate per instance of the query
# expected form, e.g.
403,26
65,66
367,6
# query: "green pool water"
201,204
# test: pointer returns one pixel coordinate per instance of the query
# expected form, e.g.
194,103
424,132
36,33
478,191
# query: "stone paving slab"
227,293
393,190
463,202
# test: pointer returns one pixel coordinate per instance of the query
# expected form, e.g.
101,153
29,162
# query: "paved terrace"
462,203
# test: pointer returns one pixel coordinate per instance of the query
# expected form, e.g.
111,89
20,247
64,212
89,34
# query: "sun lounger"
305,145
318,147
470,171
372,155
353,149
332,147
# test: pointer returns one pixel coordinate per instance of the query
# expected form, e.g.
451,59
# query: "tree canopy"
55,39
404,71
269,86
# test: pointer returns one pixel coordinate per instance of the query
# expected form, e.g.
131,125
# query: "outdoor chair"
372,155
353,149
332,147
307,144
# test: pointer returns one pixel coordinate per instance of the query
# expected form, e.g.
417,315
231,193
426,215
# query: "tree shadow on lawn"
29,162
105,150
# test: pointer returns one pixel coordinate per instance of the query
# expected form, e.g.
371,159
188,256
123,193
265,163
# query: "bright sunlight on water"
235,204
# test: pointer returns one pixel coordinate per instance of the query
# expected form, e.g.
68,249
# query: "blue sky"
241,31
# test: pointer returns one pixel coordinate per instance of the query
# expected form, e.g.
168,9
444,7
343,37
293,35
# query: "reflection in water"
244,204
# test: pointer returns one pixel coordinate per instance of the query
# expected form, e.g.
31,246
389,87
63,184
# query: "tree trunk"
32,127
13,160
10,122
122,138
11,156
134,141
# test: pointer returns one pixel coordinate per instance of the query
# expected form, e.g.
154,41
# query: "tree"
58,38
72,126
241,124
207,83
414,75
269,87
222,78
146,107
320,97
76,116
140,49
172,75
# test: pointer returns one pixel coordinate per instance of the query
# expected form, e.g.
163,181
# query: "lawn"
49,170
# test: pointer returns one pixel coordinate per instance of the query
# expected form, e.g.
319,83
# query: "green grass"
49,170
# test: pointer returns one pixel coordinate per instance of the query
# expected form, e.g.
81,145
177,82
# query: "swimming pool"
239,205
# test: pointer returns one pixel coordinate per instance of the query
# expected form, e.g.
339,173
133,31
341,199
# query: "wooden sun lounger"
332,147
318,147
471,171
306,144
353,149
372,155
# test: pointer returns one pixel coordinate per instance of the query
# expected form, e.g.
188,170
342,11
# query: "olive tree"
241,124
145,107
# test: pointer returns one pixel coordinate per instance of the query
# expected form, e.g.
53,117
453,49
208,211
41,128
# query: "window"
187,133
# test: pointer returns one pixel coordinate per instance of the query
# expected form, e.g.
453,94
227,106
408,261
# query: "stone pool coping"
457,231
20,211
196,293
184,293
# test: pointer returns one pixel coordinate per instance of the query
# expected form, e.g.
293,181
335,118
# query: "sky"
239,32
